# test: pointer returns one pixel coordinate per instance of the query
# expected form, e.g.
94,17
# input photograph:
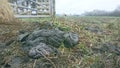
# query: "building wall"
33,7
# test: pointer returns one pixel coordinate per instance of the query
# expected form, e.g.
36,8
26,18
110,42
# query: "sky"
81,6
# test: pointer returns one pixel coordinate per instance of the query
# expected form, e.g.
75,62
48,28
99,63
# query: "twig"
34,63
63,50
69,53
46,58
80,61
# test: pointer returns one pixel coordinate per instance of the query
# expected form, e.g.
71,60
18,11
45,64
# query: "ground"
99,42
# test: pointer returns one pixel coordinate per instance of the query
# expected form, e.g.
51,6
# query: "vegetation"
116,12
6,14
82,56
93,32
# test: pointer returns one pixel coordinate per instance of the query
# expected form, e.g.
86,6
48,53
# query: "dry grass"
81,56
6,14
9,25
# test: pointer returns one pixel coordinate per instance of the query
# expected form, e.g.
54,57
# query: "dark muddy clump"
46,40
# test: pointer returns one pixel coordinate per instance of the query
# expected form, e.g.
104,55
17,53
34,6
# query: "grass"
6,15
110,27
82,55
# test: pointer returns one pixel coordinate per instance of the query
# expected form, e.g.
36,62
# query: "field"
99,42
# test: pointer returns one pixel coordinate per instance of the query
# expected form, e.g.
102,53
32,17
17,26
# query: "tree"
116,12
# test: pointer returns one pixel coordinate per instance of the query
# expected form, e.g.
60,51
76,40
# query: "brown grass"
6,14
9,25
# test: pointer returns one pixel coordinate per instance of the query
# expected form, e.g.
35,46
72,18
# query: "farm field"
98,47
